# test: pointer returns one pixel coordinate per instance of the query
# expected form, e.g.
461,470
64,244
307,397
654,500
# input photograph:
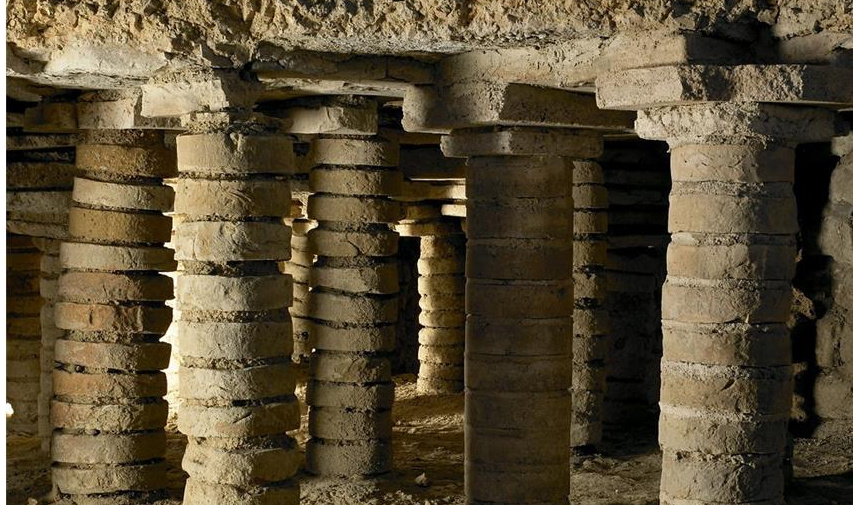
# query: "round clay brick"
379,338
713,213
441,336
349,368
107,448
737,261
122,417
244,468
521,410
519,299
109,479
348,458
231,421
326,242
108,385
249,293
442,302
232,199
375,279
442,284
441,371
352,209
741,163
542,218
521,484
235,153
713,301
686,430
103,287
218,241
764,390
441,318
513,450
130,357
519,176
123,195
746,478
250,383
737,344
126,161
518,373
371,397
94,317
200,492
363,310
234,340
119,227
345,424
364,152
74,255
352,181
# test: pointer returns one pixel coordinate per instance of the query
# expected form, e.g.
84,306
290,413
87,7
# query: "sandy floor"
428,440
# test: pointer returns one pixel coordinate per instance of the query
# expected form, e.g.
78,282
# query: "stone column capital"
736,123
442,108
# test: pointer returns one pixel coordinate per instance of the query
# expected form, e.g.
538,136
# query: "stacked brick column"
51,269
236,378
441,284
726,374
589,343
108,411
354,304
299,267
519,311
39,177
834,347
23,305
441,290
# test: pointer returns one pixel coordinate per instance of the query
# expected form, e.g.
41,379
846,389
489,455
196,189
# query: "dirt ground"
428,440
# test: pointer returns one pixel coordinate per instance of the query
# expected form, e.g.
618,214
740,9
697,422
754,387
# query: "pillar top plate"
737,123
439,109
643,88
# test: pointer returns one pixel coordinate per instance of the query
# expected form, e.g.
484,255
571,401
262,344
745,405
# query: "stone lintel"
642,88
51,117
276,64
177,95
576,63
738,123
286,89
118,110
522,142
440,109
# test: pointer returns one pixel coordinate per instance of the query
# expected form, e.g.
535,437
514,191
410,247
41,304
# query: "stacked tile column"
441,289
108,411
441,284
726,374
39,178
353,304
519,311
236,377
23,305
299,267
51,269
589,344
